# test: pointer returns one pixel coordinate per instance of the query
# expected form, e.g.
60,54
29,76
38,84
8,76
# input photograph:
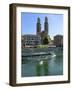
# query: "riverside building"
31,40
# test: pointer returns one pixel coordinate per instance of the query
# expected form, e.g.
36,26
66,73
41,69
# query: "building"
46,26
38,28
31,40
58,40
43,33
42,36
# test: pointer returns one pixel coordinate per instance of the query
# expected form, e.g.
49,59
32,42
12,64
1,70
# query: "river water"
42,65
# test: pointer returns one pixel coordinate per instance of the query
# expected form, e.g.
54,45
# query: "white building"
31,40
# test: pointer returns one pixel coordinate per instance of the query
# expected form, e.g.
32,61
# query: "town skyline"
29,20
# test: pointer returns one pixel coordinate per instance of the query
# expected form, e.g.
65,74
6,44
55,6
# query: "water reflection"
38,69
45,66
42,68
36,66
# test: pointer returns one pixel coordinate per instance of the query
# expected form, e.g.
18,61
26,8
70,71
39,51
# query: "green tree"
45,40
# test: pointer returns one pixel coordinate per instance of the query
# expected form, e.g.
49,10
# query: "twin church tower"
45,31
31,40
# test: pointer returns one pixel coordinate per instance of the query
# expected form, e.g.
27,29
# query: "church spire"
38,26
46,25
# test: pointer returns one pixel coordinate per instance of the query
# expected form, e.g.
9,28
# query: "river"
42,65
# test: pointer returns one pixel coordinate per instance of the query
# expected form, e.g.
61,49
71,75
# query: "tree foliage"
45,40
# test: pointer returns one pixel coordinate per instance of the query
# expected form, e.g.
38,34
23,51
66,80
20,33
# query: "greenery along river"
43,65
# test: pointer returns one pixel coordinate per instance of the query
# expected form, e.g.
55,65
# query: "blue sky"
29,20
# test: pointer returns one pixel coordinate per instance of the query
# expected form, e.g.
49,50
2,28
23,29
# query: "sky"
29,20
